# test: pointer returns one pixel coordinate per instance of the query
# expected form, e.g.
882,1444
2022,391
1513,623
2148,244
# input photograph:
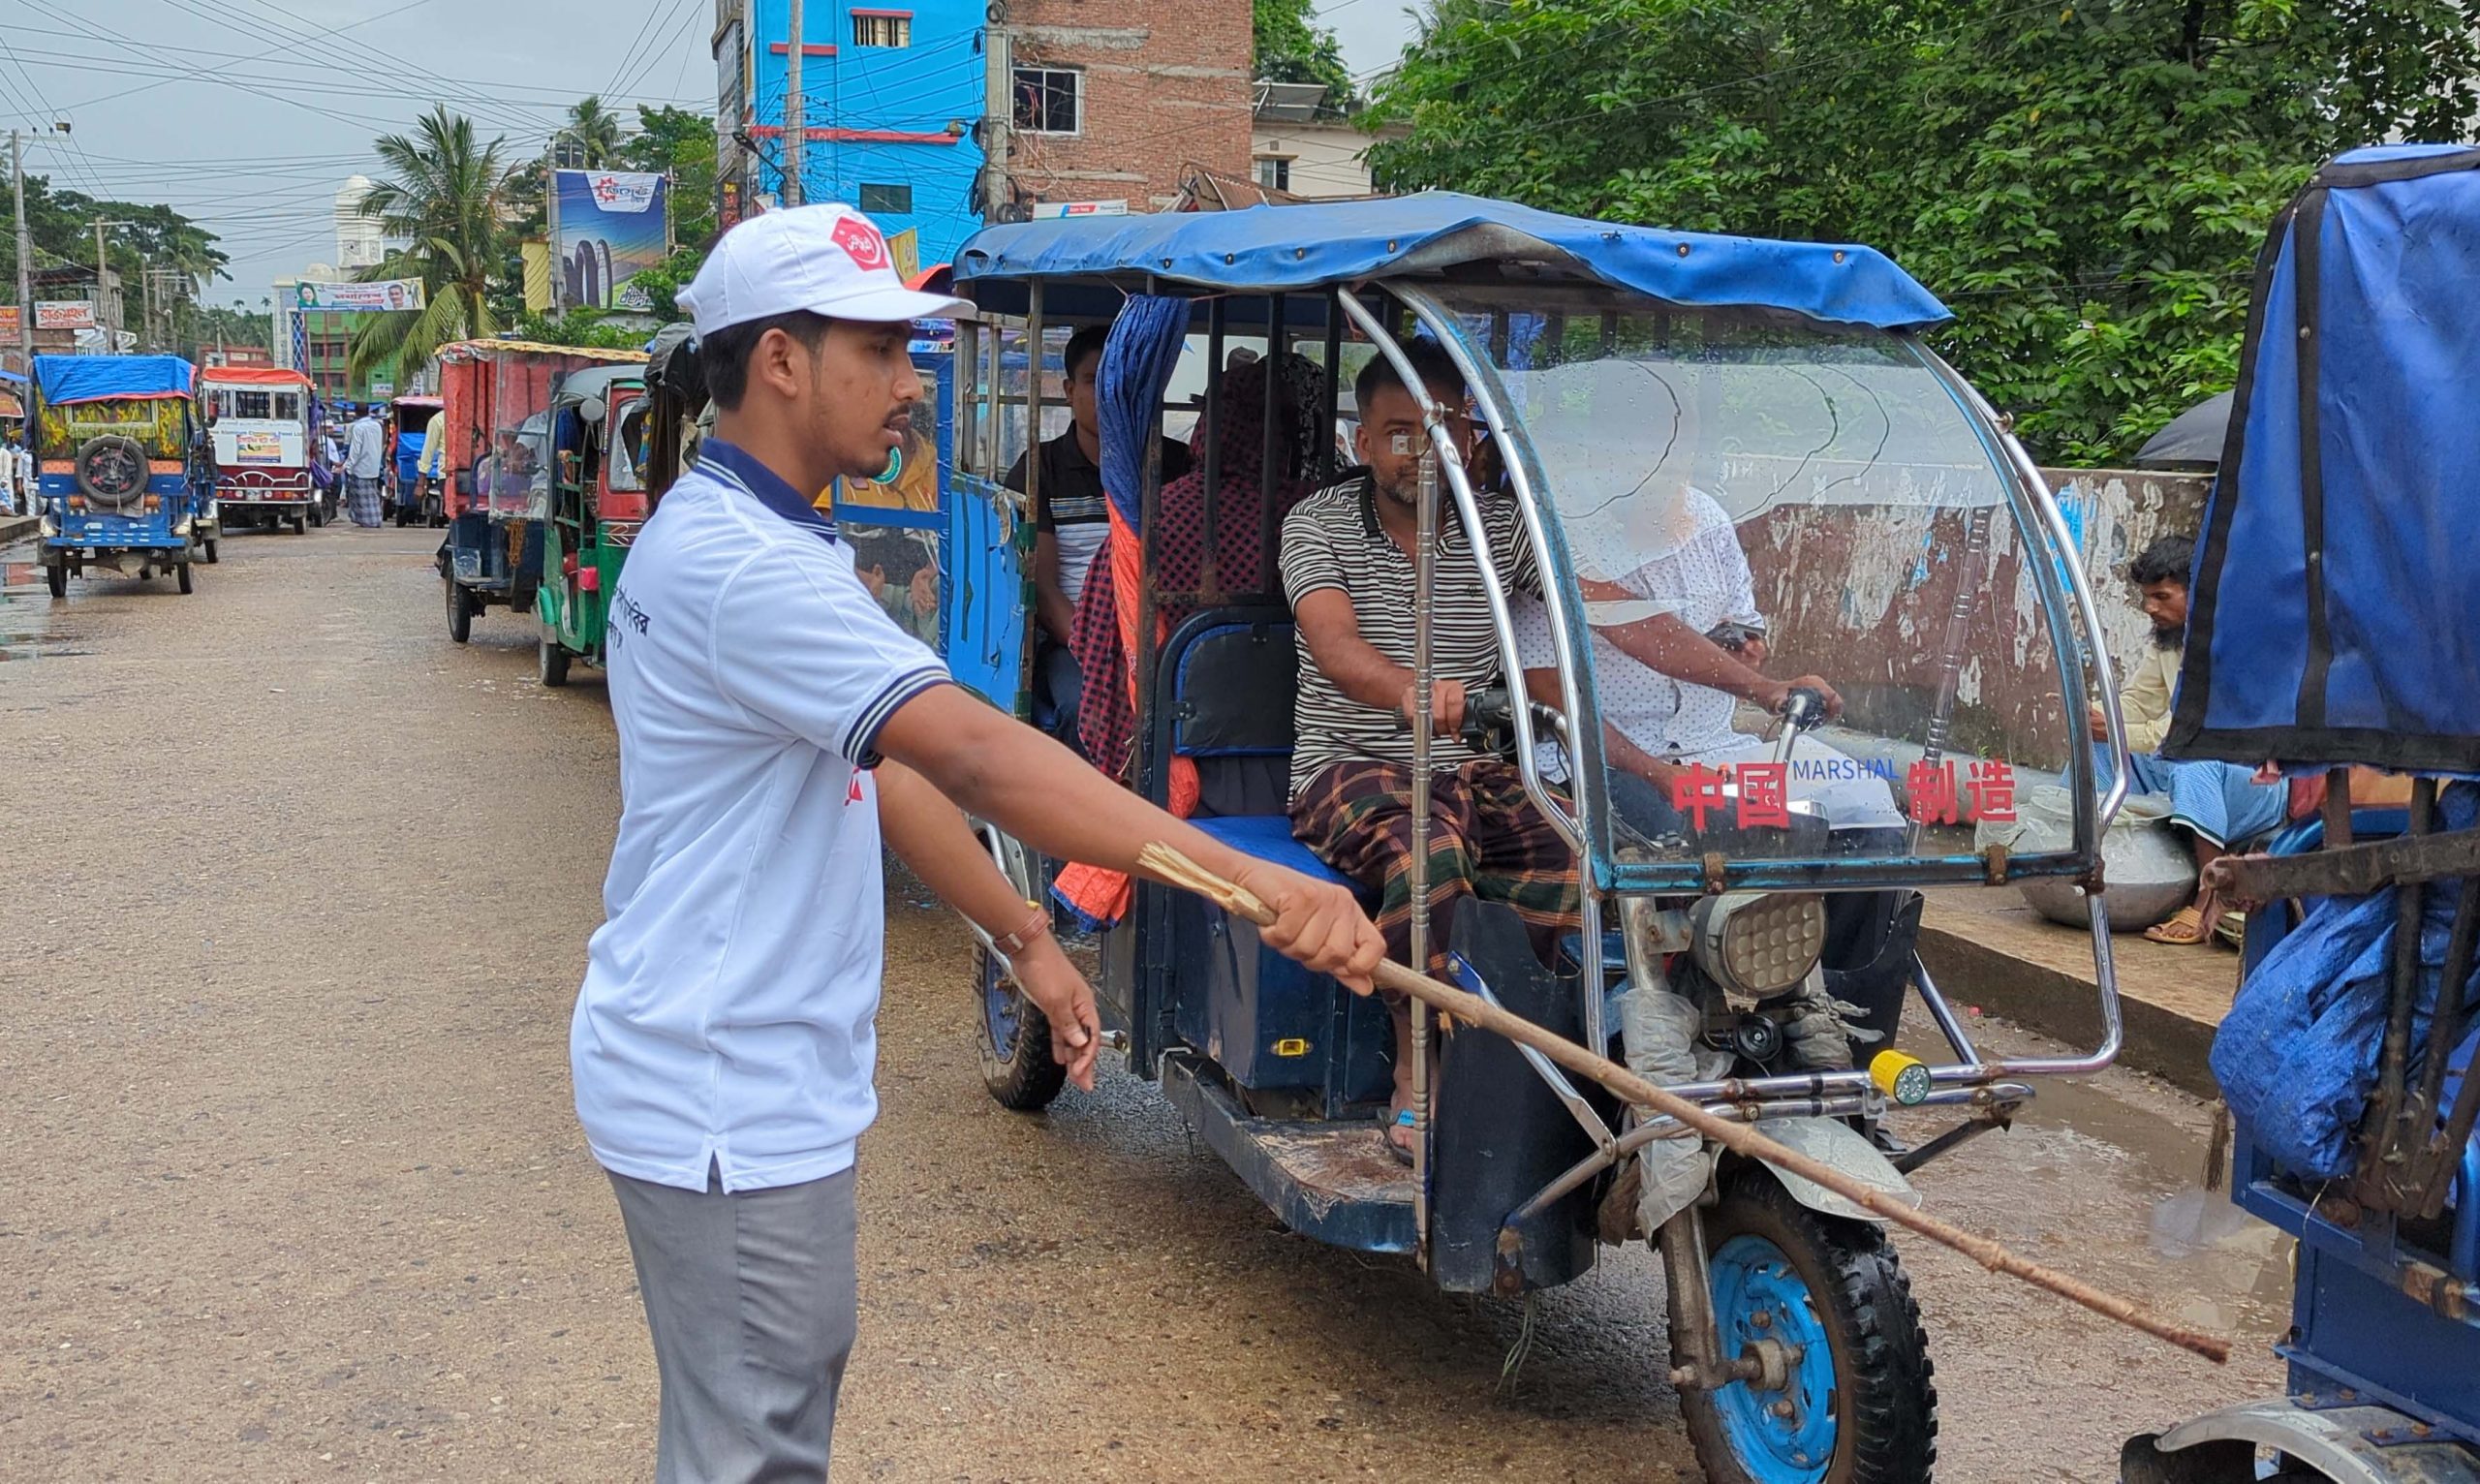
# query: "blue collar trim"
739,468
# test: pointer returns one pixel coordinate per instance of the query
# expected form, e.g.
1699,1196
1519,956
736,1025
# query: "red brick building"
1121,102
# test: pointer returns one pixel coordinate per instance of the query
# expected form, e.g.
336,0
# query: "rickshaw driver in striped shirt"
1348,566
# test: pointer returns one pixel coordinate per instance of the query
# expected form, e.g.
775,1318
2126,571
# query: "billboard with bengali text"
394,293
61,314
607,226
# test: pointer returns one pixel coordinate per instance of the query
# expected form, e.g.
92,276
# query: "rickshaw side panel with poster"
1709,442
598,503
498,468
2335,626
262,421
122,463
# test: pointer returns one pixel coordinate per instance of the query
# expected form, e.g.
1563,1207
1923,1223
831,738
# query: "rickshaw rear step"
1330,1181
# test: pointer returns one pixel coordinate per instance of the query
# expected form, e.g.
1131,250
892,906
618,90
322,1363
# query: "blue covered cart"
2337,623
125,479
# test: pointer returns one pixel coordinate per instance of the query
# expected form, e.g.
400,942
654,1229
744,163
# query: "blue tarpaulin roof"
2336,619
1285,248
60,379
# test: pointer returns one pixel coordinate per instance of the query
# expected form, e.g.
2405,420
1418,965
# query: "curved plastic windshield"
1751,508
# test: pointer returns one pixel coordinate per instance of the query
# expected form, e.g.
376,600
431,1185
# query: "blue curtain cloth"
1137,362
2297,1056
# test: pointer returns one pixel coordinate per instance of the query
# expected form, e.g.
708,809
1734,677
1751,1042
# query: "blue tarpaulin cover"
2336,617
61,378
2298,1052
1283,248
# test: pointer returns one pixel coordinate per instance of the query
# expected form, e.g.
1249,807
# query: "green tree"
680,143
446,194
2085,186
61,222
590,140
1290,46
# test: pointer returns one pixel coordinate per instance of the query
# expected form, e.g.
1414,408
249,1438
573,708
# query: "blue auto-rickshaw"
1750,949
2335,624
409,502
125,476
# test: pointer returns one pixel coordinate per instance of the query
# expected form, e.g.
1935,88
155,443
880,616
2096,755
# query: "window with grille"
1274,174
881,29
1050,100
250,404
885,200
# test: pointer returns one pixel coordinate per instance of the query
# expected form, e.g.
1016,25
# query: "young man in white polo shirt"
772,720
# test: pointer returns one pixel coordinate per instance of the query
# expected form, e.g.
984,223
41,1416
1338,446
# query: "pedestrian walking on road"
365,459
773,722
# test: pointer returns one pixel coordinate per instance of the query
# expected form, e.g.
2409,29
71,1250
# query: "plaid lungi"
363,499
1486,841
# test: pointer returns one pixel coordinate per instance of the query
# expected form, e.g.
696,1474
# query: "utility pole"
999,114
103,291
797,113
25,256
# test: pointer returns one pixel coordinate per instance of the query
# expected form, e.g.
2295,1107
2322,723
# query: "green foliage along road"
2085,185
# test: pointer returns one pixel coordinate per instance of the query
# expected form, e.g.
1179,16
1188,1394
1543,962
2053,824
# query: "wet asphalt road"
291,911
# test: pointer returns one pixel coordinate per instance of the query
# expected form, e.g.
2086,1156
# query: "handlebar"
1804,710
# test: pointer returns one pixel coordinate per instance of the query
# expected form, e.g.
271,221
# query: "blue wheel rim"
1759,1295
999,1023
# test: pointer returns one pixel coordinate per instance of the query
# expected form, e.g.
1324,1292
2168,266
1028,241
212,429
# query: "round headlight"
1758,943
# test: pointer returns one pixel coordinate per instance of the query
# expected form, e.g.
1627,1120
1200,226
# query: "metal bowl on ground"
2151,871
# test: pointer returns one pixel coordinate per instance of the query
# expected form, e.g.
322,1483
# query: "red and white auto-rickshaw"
262,419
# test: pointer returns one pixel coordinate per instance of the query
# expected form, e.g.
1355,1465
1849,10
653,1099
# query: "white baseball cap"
827,259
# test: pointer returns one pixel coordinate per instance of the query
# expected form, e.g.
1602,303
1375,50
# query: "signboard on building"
361,299
905,248
607,227
1047,211
57,314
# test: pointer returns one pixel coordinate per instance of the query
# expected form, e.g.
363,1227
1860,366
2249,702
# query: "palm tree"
590,140
447,197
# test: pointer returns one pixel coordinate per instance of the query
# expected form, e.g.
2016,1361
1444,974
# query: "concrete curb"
2169,1027
16,528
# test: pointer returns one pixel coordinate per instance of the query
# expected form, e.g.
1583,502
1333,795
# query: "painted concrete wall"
1868,596
1325,158
899,116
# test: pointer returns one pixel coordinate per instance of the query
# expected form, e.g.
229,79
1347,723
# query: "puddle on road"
2210,1264
28,626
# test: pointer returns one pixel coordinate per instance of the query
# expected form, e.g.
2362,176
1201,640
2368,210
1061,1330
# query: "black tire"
181,574
211,558
550,661
461,613
1883,1402
57,578
1016,1065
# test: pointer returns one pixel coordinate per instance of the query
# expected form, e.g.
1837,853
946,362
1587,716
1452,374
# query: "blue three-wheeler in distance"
2336,625
1678,422
125,479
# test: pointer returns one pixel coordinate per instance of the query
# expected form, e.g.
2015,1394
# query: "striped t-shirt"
1332,540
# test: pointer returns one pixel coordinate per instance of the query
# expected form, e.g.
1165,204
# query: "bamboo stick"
1177,868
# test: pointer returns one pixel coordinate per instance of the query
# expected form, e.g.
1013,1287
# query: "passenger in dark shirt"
1072,517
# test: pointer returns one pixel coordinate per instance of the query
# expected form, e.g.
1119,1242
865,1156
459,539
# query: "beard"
2171,638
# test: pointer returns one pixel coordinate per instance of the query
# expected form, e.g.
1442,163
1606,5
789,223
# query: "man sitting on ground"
2220,805
1348,566
1071,518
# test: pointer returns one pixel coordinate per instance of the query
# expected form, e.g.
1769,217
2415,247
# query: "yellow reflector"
1901,1076
1292,1045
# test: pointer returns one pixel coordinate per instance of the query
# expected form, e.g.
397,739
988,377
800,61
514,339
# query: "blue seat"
1268,838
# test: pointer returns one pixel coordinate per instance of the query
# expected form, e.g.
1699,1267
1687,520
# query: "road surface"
296,898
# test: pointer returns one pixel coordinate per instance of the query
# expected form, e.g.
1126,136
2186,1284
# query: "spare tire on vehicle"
111,471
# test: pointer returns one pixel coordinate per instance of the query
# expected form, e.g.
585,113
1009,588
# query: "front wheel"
1857,1404
211,557
550,661
460,612
182,576
57,578
1017,1063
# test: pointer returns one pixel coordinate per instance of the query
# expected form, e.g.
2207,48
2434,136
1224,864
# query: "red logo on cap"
862,244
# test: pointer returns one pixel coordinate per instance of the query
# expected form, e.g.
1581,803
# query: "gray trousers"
750,1298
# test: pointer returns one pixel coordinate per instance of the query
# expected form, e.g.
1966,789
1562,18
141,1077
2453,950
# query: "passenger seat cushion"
1268,838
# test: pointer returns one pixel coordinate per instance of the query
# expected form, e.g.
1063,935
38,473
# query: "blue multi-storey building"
893,98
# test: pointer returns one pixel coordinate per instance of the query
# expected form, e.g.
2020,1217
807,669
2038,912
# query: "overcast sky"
249,114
